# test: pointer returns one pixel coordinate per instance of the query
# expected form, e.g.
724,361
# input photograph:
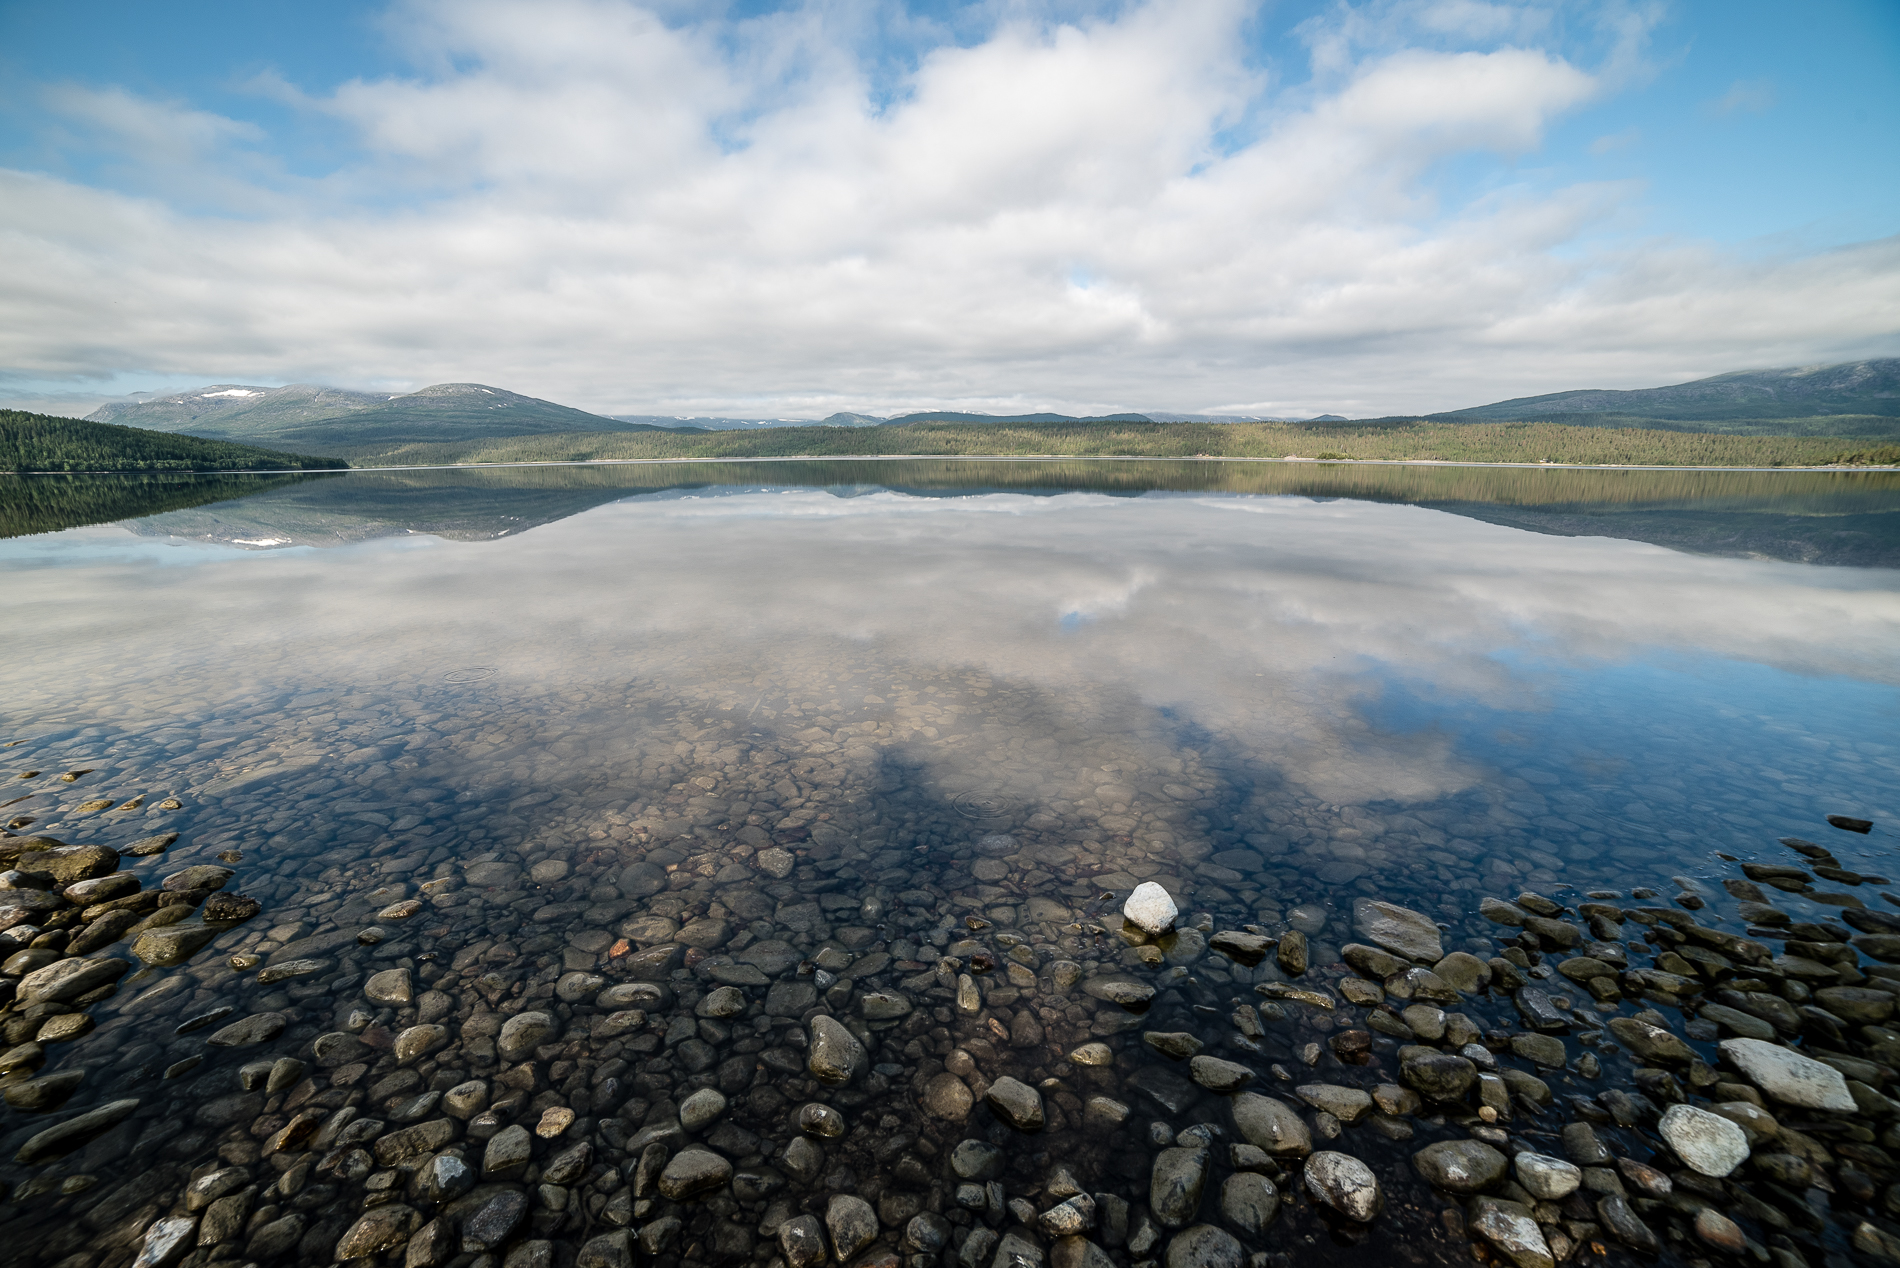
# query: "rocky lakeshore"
811,1042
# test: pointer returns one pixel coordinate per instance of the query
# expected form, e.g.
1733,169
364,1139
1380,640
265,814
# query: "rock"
852,1225
1438,1075
1205,1246
1177,1045
1217,1075
391,986
1651,1043
703,1108
1150,909
417,1042
696,1170
977,1160
203,876
1736,1022
836,1057
1789,1077
1847,823
774,862
523,1033
1272,1125
1116,989
492,1215
174,944
70,863
46,1093
1614,1210
1249,1201
1463,972
1709,1143
1175,1184
67,979
508,1152
802,1242
1014,1251
337,1048
381,1228
1546,1178
1719,1232
1292,953
62,1138
1343,1182
609,1250
1070,1218
1246,948
255,1029
166,1242
1347,1104
1510,1227
1582,1147
1399,930
948,1097
1015,1103
1093,1054
1460,1166
1545,1050
1857,1004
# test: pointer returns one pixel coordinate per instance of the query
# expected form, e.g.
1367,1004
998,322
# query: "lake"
684,849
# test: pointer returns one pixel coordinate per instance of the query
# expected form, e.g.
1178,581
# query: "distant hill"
1850,388
334,421
40,442
950,416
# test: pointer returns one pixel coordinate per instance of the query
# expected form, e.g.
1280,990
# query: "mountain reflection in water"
1841,518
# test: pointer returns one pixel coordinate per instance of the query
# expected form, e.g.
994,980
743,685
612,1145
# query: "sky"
788,209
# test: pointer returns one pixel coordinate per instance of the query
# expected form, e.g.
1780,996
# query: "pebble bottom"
481,1014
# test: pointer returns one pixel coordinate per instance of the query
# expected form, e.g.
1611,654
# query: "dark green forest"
41,442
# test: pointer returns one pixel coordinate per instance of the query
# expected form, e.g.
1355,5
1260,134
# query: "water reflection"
737,738
1850,518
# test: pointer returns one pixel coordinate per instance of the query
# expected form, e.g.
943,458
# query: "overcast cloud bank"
626,210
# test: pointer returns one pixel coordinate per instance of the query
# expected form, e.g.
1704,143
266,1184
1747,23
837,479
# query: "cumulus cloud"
628,208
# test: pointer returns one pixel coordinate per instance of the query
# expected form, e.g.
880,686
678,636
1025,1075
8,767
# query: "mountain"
950,416
333,421
40,442
1852,387
234,410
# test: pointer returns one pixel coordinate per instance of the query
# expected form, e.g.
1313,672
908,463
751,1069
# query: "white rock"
1708,1142
1546,1177
1789,1077
1149,908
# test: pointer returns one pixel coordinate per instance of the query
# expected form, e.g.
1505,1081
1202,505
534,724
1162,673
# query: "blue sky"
794,208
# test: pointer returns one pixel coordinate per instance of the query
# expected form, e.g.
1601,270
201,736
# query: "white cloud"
628,209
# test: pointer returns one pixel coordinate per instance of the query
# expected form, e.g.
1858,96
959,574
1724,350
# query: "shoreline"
1326,462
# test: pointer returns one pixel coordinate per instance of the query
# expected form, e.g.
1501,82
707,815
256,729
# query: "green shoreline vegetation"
1401,441
40,443
43,443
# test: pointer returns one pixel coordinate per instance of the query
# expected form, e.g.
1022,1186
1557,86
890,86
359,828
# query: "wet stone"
1217,1075
1175,1185
1016,1104
946,1096
1272,1125
852,1224
1546,1178
1345,1184
1460,1166
1709,1143
836,1056
524,1032
1205,1246
1399,930
694,1171
1789,1077
1510,1227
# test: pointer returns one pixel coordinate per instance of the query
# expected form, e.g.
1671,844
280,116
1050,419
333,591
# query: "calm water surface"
892,742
